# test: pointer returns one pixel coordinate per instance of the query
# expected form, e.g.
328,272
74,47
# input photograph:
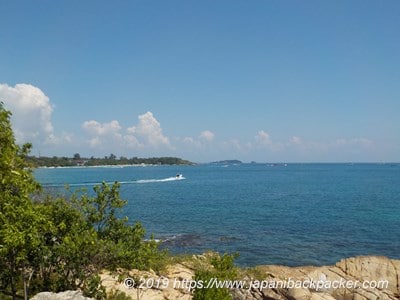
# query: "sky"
265,81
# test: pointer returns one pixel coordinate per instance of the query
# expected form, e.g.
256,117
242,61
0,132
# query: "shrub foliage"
50,243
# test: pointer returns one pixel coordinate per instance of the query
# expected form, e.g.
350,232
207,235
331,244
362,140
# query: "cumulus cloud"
147,134
95,128
263,138
31,119
102,133
203,140
148,131
207,136
31,110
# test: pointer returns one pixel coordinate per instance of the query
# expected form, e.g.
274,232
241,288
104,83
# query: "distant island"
227,162
112,160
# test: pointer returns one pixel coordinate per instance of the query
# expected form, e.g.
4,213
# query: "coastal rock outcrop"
362,277
355,278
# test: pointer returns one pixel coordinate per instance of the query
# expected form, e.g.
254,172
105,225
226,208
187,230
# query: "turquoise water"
298,214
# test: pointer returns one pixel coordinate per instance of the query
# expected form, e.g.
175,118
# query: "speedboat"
179,176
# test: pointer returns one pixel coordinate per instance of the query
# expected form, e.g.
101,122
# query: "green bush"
118,295
222,268
94,289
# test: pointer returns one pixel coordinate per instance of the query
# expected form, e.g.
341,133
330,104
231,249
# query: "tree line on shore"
111,160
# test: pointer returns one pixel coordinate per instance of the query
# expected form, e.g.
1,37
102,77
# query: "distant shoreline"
107,166
111,161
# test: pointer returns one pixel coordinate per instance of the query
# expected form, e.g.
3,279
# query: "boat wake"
160,180
83,184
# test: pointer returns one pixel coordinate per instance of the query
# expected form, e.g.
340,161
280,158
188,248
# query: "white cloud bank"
147,134
31,113
203,140
31,120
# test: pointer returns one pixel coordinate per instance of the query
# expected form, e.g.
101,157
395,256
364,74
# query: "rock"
67,295
356,270
362,268
179,271
372,268
245,294
321,296
299,293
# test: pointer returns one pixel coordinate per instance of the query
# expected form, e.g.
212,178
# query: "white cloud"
106,129
190,143
296,140
329,144
31,113
354,142
263,138
146,135
103,134
364,142
132,142
31,117
204,139
148,131
206,136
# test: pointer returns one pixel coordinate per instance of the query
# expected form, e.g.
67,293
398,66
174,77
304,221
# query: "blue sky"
204,80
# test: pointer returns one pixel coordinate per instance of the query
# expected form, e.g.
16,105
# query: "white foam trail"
112,182
160,180
86,183
71,184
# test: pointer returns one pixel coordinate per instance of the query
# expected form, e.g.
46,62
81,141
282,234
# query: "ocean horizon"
270,213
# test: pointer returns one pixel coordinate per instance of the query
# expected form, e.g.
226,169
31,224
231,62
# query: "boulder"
380,271
67,295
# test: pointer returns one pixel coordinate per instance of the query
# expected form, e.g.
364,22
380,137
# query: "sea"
288,214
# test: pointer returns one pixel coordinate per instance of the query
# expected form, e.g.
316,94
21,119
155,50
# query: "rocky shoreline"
360,278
